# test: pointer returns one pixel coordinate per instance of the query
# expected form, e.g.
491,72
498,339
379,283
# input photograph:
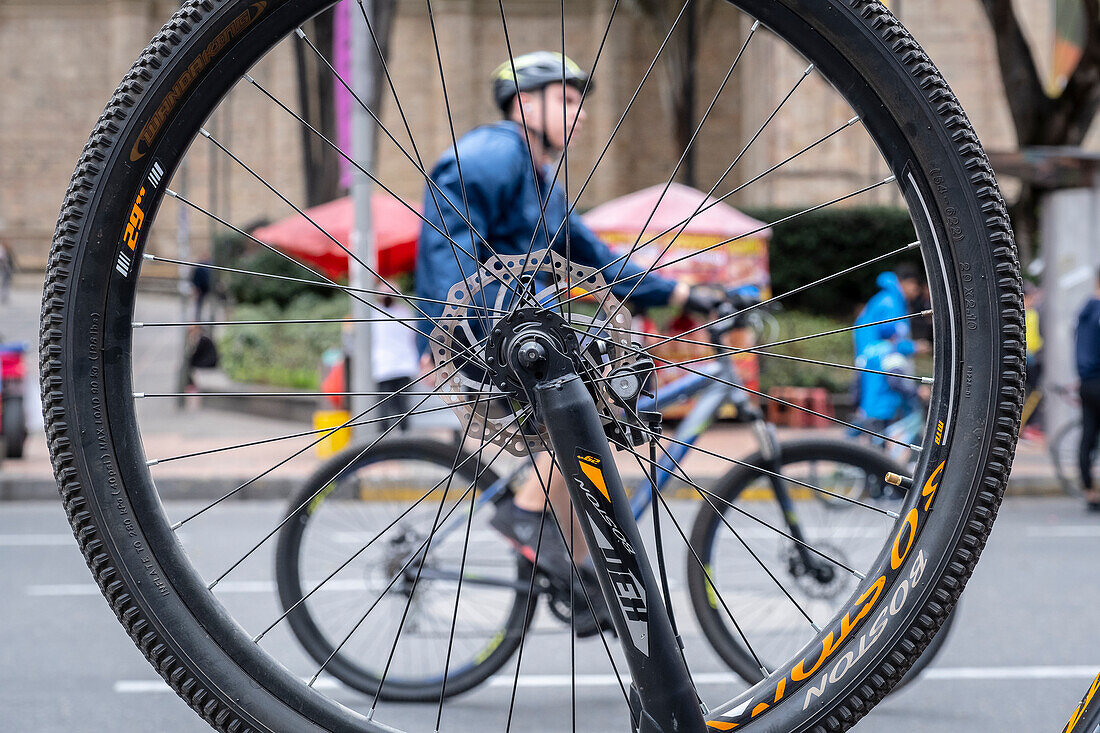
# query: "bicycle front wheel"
325,579
854,71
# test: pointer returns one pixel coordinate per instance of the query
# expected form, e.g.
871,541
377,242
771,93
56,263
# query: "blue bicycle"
812,512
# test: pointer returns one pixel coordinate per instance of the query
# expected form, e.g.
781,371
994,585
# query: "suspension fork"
666,699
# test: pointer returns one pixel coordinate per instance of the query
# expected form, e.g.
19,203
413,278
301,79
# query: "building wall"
60,60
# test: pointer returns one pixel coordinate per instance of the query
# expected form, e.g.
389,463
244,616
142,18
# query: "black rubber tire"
303,506
708,526
15,427
179,625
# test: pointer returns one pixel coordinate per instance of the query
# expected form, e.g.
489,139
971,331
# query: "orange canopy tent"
396,230
732,247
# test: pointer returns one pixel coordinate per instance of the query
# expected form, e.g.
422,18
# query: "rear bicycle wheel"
1063,448
351,499
100,333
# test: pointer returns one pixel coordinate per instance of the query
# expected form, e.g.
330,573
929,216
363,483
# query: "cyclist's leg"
1090,430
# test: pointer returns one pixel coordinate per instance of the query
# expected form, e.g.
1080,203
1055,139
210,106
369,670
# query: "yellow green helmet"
534,71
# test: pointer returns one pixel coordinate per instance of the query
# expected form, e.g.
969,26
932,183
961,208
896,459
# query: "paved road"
1024,648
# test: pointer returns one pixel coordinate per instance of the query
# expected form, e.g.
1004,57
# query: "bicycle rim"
103,458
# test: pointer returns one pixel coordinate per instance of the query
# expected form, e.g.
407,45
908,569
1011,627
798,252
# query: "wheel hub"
484,339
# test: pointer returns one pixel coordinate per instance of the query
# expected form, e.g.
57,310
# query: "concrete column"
1071,253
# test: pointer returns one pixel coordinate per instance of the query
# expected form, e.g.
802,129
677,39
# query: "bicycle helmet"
534,71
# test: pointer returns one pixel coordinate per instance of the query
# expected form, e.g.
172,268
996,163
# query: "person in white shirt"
395,360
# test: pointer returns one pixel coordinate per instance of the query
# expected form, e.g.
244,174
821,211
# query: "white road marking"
231,586
710,678
1064,530
37,540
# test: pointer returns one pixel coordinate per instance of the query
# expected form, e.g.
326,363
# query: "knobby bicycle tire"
167,610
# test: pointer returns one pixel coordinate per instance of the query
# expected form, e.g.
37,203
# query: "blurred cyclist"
506,171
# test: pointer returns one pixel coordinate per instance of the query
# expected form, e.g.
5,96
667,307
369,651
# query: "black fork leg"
667,699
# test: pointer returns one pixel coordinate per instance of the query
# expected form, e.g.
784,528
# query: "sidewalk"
169,432
210,476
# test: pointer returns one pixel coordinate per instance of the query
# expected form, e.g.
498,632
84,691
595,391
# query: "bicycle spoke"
478,471
377,536
682,474
790,479
335,286
279,526
424,547
303,434
356,165
575,571
329,431
418,163
287,322
641,232
706,572
731,240
644,351
344,288
618,125
543,200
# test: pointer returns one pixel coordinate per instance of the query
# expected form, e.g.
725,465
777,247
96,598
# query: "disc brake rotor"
482,317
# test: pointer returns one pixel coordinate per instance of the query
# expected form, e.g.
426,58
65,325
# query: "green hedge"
811,246
255,290
282,354
836,349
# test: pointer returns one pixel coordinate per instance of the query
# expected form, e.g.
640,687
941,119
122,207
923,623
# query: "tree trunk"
1039,119
320,163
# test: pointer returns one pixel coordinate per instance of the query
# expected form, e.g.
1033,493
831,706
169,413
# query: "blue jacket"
888,302
1088,341
504,209
883,397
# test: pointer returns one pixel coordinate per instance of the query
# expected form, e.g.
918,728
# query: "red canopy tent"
396,230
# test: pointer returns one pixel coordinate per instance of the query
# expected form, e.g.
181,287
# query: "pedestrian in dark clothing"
202,282
1088,369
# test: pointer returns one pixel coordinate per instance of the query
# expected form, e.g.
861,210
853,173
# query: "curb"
16,487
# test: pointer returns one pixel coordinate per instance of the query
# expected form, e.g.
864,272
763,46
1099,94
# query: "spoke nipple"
755,26
889,179
914,244
138,395
152,462
249,79
148,256
171,193
809,70
853,121
300,33
927,380
203,132
926,313
137,324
